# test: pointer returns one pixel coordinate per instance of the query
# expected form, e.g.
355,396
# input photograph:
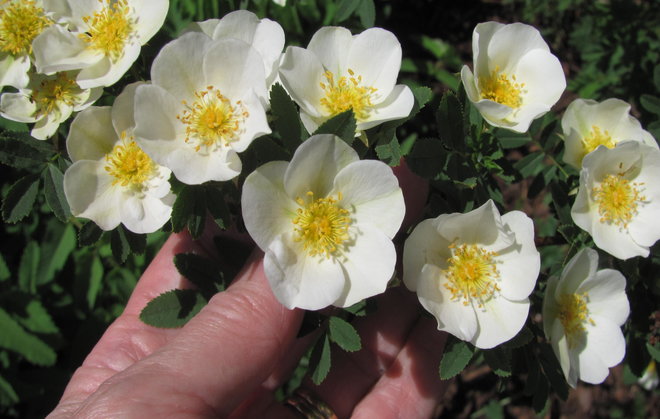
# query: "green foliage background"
57,296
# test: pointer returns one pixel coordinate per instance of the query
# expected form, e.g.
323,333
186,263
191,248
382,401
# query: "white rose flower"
204,106
264,35
474,272
618,201
47,101
587,124
103,39
20,22
112,180
516,79
339,71
325,221
582,316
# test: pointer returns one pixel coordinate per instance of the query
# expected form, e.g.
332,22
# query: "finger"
216,360
411,386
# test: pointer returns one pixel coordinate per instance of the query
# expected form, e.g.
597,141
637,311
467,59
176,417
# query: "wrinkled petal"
423,246
331,44
521,262
91,135
499,321
396,106
375,55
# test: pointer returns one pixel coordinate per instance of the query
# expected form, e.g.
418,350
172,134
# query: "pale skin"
228,360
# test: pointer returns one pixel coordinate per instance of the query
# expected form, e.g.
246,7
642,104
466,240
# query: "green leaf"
215,203
89,234
455,358
27,270
422,95
521,339
654,351
345,9
650,103
656,76
540,395
286,120
449,118
54,191
553,371
190,210
7,394
509,139
121,248
499,359
200,271
344,334
21,151
390,153
56,246
320,360
95,280
37,319
367,13
15,338
4,270
531,164
342,125
427,157
20,199
173,308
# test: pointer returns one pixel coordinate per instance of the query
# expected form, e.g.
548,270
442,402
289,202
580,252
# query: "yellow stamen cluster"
347,93
20,22
471,274
573,314
54,92
110,28
617,199
321,224
502,89
129,165
595,138
212,120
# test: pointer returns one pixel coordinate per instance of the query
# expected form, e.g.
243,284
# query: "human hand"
228,360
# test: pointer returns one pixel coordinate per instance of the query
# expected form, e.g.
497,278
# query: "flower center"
110,28
20,23
347,93
471,274
128,164
595,138
502,89
321,224
573,314
54,92
617,199
212,120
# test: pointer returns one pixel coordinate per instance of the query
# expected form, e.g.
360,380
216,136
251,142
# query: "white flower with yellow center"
339,71
618,201
587,124
47,101
103,38
474,272
112,180
516,79
204,106
325,221
264,35
582,316
20,22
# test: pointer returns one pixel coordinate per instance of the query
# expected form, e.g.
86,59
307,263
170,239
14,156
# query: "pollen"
595,138
501,88
573,315
212,120
321,224
20,23
472,274
110,28
347,93
617,199
54,92
129,165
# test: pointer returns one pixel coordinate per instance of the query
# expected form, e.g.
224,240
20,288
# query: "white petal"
520,262
375,55
156,127
331,45
123,109
482,225
267,210
499,320
567,360
605,348
151,15
13,70
607,296
616,241
481,37
315,164
422,247
369,265
396,106
550,306
17,107
269,42
91,135
56,49
178,66
207,27
494,113
579,269
106,72
510,43
370,188
256,123
145,215
194,168
301,73
543,77
452,316
45,127
89,191
468,80
302,281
